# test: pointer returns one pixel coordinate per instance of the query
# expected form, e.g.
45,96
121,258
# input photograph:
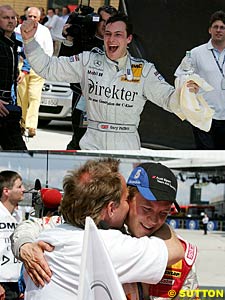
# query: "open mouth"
149,228
113,48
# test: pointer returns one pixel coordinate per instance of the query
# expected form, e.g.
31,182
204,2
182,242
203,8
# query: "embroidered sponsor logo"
173,273
158,75
191,252
164,181
95,73
137,70
137,174
97,63
135,80
136,73
74,58
167,281
111,92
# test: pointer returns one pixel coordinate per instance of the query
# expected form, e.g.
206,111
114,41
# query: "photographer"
10,113
75,43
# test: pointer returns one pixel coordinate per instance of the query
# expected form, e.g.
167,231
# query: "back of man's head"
89,189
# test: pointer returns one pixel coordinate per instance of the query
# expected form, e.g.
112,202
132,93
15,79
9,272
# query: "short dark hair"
111,10
123,18
217,16
67,8
7,179
51,8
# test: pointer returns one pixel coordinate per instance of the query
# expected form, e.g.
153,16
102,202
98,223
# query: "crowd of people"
109,95
131,218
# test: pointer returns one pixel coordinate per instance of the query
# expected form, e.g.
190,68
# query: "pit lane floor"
210,262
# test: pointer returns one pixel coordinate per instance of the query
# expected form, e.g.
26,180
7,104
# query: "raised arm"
28,29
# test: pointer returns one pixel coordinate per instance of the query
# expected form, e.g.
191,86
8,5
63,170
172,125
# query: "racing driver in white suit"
114,84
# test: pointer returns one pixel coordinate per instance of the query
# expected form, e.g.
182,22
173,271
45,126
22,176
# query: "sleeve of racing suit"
191,283
158,91
67,69
25,232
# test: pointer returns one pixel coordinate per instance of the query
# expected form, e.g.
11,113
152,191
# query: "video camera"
83,25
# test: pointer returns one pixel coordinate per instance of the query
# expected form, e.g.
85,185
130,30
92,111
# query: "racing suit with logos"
177,277
115,93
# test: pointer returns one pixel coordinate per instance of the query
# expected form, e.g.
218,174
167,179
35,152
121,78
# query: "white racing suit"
115,95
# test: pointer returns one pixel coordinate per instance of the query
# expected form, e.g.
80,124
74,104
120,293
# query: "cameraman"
71,46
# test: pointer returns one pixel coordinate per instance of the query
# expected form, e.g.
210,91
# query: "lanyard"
217,62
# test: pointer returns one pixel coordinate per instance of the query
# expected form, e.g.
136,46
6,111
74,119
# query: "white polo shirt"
206,67
135,260
9,265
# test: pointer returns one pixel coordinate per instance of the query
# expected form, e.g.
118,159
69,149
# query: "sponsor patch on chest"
158,75
74,58
134,73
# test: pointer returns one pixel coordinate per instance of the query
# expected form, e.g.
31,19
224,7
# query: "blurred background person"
43,17
205,221
58,11
212,52
55,25
11,194
65,13
10,112
29,91
24,16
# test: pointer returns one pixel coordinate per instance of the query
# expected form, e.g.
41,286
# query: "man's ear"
5,191
129,38
111,208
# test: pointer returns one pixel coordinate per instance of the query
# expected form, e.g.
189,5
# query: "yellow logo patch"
136,71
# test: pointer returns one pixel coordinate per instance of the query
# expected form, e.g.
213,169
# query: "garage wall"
19,5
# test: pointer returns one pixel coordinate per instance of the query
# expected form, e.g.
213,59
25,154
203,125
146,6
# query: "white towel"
193,107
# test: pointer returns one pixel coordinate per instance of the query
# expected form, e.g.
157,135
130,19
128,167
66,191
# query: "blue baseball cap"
154,181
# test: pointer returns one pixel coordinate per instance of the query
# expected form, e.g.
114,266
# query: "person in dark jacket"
10,112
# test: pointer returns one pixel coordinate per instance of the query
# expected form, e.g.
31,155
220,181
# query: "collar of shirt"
220,56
